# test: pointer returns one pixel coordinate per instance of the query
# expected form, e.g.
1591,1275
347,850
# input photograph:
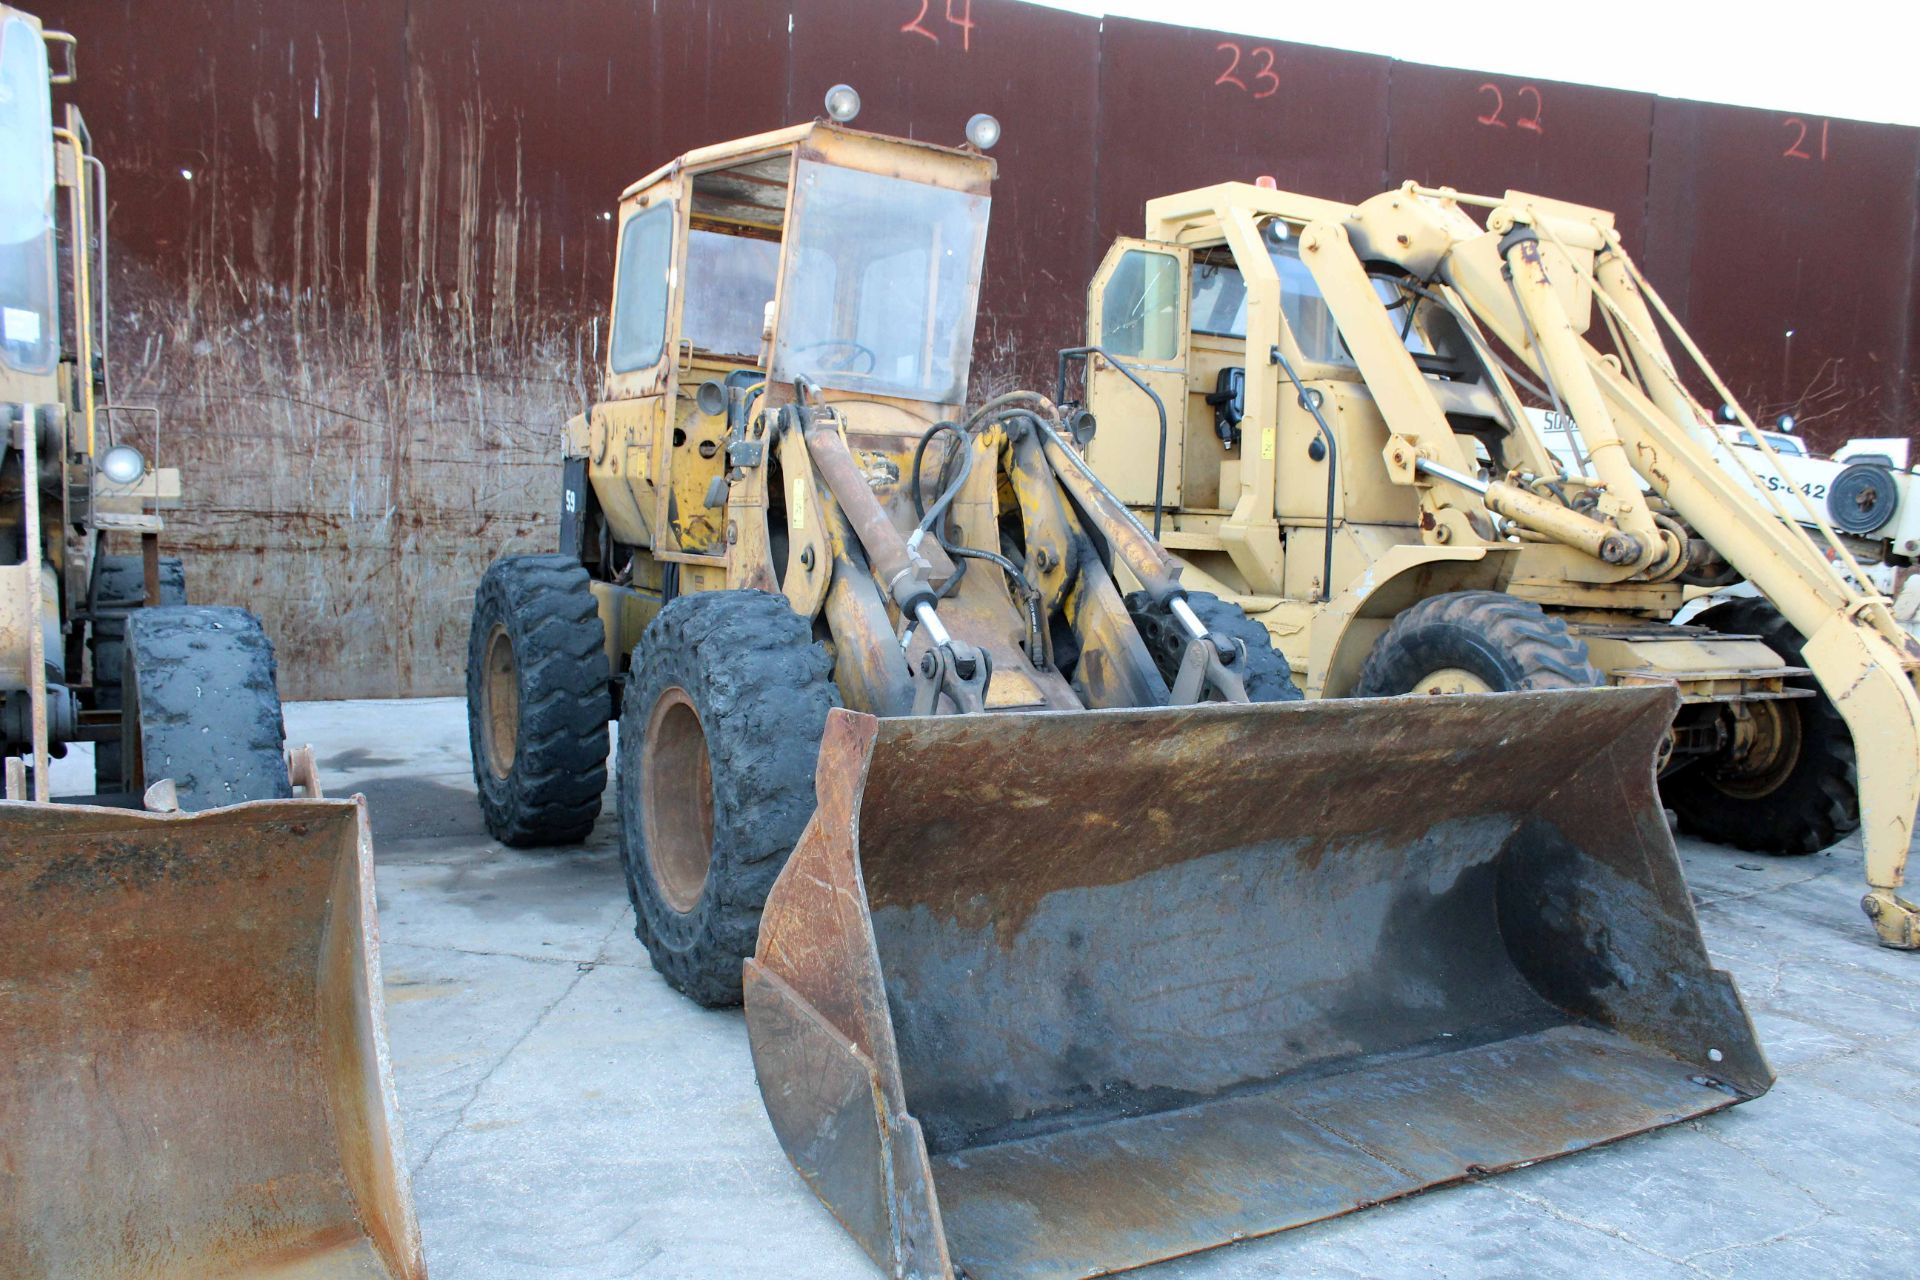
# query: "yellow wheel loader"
1070,938
194,1078
1326,410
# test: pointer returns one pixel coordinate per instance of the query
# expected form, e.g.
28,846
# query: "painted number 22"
1531,123
1265,82
962,20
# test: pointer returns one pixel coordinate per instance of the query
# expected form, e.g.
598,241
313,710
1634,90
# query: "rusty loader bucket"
1055,995
194,1080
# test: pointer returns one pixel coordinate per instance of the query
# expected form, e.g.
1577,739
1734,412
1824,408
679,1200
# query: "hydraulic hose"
934,520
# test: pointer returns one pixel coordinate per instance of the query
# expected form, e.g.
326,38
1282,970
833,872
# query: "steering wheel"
854,351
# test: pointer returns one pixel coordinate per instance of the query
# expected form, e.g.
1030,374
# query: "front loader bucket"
194,1081
1055,995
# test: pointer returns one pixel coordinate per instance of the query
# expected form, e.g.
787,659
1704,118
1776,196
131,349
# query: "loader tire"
202,707
119,587
1268,677
726,702
1810,798
537,701
1475,642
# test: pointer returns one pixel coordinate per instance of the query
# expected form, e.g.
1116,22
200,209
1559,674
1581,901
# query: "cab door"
628,431
1137,312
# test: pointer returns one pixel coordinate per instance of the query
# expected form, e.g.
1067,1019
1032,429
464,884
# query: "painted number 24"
962,20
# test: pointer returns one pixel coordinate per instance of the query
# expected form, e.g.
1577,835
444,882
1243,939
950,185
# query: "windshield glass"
881,280
26,201
1219,305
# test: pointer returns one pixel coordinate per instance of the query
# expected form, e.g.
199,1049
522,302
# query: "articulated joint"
1518,234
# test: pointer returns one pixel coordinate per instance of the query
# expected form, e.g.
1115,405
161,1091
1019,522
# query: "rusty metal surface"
194,1077
1487,133
383,290
1747,241
1182,108
1142,979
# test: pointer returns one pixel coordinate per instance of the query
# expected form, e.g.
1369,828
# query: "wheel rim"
676,799
1769,748
1448,681
501,692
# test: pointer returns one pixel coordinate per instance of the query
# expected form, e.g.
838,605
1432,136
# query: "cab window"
27,316
640,301
1219,305
1140,311
881,283
730,281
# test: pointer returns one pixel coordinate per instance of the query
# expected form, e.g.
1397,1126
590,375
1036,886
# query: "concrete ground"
569,1116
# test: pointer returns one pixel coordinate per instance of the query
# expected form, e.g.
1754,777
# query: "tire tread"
762,687
1534,648
207,704
551,795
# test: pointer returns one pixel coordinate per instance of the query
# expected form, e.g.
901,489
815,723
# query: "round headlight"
1786,423
983,131
123,464
843,104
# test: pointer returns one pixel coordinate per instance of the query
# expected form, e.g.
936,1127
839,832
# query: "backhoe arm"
1865,671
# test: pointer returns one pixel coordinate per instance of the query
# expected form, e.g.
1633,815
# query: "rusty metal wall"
380,292
1762,222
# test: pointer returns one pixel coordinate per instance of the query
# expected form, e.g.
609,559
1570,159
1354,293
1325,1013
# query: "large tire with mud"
119,587
202,707
1268,677
1804,796
537,701
726,703
1476,642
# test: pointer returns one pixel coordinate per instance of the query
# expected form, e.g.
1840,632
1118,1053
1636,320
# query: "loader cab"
818,254
1182,309
1265,483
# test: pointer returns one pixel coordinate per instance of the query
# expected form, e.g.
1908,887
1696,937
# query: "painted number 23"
1259,59
1524,120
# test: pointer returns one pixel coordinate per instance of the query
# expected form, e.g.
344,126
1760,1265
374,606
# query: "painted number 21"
962,20
1797,149
1259,59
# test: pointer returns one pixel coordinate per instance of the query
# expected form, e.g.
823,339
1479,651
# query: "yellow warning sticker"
1266,443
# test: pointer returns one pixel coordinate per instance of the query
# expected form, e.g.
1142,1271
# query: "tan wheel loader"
1331,413
194,1078
1070,938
